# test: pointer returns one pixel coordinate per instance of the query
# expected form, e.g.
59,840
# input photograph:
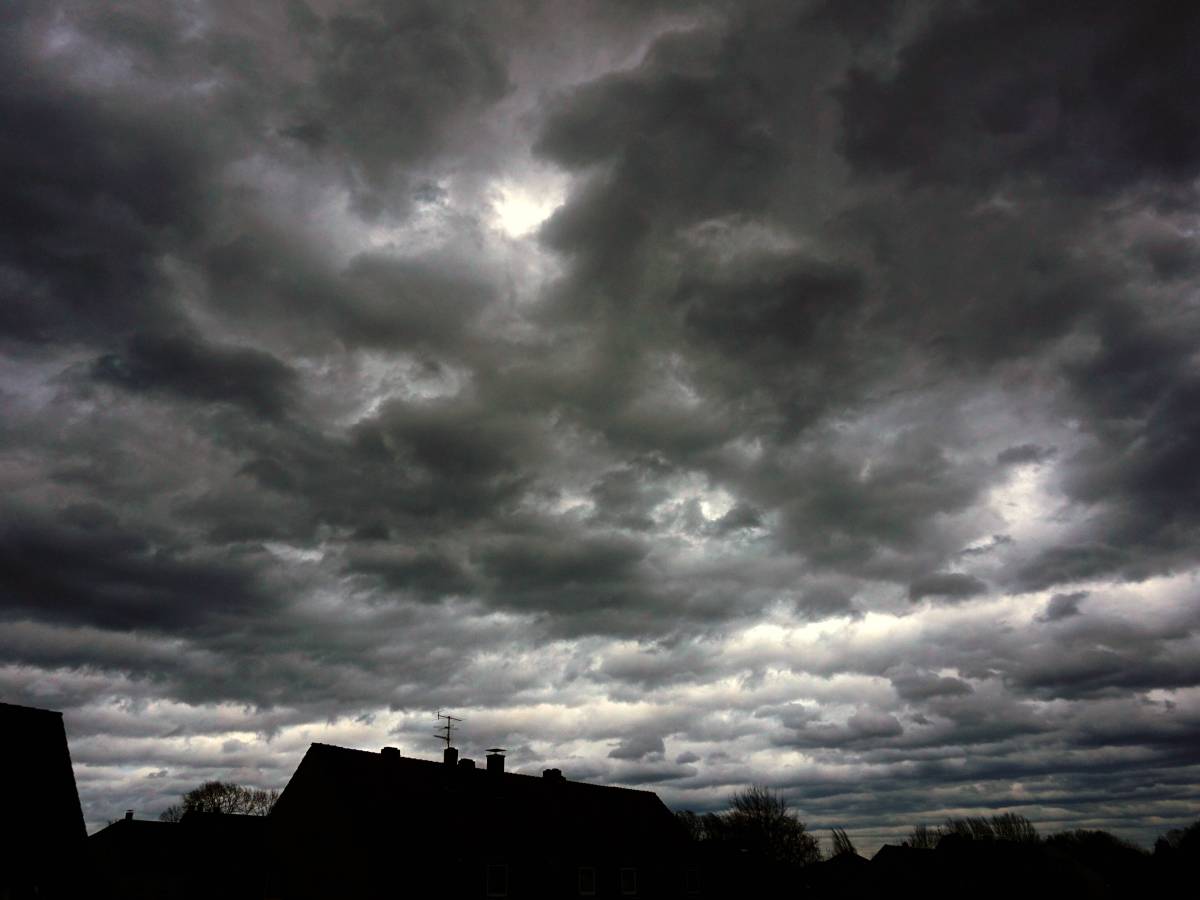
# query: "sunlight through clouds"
687,395
519,207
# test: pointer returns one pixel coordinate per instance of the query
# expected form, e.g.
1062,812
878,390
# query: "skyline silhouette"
688,395
367,824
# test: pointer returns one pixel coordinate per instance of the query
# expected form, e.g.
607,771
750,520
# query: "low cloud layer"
685,394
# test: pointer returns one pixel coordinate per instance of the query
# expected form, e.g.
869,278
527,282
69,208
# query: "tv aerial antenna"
446,732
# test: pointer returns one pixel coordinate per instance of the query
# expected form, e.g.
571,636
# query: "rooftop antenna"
447,730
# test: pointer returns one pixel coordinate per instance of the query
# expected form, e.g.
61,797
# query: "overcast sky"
686,395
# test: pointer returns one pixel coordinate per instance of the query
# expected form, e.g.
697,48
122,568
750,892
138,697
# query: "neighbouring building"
203,855
42,833
353,823
136,859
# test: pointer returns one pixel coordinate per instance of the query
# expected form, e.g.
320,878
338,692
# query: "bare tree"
1179,839
1000,827
708,827
761,821
172,813
1014,827
691,823
841,842
222,797
970,828
923,837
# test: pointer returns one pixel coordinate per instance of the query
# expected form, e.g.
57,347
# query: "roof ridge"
35,709
369,754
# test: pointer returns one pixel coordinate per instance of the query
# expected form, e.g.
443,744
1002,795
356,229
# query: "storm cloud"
804,393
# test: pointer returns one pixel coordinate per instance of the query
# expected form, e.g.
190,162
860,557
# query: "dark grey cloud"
265,279
1092,104
1024,453
627,498
1063,606
622,376
861,727
948,585
765,314
739,517
917,687
93,197
87,568
415,67
196,370
638,747
1097,655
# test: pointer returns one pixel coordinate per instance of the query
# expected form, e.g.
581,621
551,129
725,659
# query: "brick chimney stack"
495,761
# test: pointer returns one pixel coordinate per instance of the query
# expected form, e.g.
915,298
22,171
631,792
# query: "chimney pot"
390,753
466,764
495,761
129,815
450,756
553,774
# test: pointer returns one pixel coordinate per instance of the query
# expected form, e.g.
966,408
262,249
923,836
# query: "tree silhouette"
923,837
841,842
1186,840
761,821
711,827
222,797
1001,827
1014,827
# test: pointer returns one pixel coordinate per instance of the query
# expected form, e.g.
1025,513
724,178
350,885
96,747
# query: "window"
587,881
691,881
629,881
497,881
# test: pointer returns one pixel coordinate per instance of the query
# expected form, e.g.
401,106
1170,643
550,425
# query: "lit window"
587,881
629,881
497,881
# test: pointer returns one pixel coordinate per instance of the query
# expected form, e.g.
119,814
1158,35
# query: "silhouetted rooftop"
404,794
42,832
41,792
149,834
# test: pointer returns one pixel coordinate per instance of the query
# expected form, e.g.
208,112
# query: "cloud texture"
686,394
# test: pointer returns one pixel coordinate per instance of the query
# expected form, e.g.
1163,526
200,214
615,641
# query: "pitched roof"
213,854
42,836
408,798
40,796
149,836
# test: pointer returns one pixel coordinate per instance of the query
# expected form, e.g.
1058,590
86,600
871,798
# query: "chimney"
466,764
553,774
129,815
390,754
450,756
495,760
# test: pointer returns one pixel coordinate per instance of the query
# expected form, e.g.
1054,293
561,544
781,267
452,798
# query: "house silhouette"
136,859
203,855
353,823
42,832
